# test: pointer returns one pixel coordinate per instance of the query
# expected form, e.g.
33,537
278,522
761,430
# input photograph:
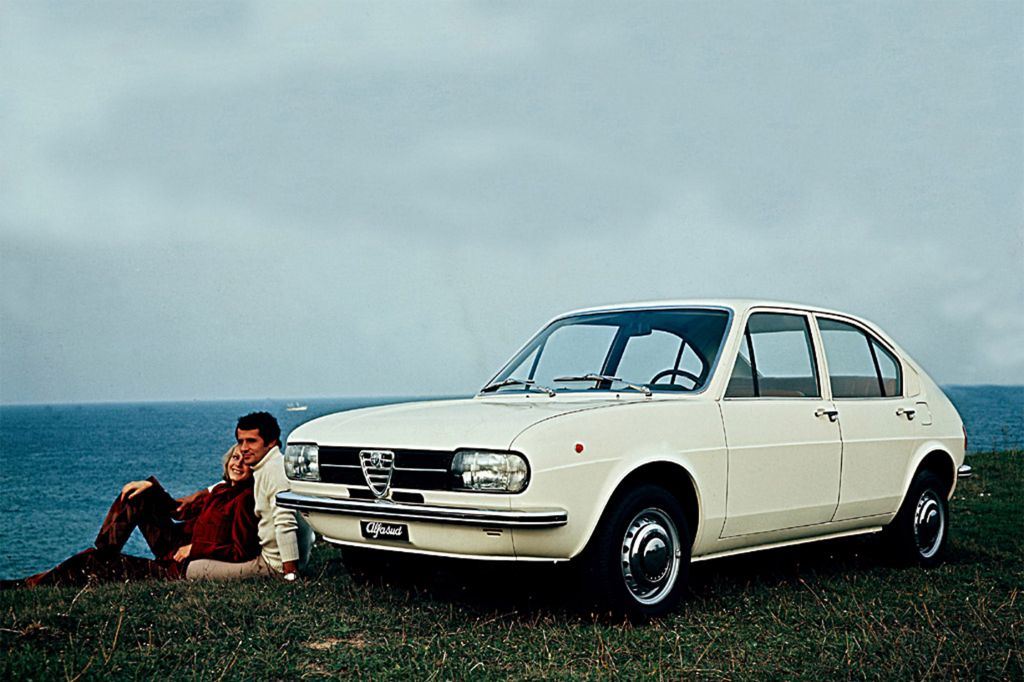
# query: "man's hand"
183,553
132,489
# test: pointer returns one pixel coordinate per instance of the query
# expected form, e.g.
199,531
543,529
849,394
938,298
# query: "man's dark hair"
265,422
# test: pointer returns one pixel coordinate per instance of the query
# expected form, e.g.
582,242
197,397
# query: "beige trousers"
211,569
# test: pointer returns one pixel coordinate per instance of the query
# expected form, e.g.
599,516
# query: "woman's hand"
182,553
187,500
132,489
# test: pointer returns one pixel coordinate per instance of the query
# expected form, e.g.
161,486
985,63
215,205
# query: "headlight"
301,462
502,472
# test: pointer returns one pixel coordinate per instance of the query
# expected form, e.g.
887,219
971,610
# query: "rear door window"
889,367
858,365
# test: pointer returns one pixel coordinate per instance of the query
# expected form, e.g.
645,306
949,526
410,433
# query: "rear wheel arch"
940,463
937,470
919,532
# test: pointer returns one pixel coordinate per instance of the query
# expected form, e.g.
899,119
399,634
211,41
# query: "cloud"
409,190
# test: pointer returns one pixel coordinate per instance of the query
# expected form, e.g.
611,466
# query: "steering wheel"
676,372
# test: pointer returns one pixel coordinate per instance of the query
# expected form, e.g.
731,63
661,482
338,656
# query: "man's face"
251,445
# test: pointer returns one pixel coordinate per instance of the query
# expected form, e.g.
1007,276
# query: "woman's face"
238,470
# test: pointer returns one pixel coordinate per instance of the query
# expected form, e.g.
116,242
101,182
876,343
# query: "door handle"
822,411
908,411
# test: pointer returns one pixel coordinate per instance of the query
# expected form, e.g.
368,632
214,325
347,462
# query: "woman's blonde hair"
227,458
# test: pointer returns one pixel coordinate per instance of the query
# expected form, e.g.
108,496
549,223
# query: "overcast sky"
248,199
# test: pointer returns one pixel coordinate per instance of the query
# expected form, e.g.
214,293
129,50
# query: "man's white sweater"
284,535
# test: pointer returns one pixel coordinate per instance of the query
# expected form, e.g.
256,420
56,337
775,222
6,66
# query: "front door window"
776,359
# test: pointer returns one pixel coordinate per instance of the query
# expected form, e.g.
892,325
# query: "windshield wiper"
604,377
530,384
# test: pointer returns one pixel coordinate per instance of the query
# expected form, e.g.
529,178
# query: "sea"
62,465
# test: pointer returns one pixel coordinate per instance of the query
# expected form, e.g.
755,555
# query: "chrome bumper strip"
965,471
449,555
385,509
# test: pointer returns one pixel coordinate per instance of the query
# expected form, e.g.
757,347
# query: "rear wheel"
920,530
639,558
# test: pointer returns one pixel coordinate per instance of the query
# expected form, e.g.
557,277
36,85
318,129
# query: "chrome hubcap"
650,556
929,524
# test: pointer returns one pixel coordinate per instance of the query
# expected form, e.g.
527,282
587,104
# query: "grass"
833,610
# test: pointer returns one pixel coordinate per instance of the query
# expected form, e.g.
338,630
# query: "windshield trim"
730,316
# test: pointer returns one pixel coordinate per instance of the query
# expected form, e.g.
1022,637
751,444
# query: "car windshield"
641,350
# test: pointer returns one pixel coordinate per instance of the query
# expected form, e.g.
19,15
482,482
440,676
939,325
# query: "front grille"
414,469
396,495
378,474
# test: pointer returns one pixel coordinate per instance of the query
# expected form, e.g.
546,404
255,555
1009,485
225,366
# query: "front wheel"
919,532
639,559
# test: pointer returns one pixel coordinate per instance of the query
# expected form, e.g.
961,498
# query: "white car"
639,438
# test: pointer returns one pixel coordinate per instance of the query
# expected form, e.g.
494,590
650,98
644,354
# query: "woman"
219,523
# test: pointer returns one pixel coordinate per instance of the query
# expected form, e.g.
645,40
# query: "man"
285,538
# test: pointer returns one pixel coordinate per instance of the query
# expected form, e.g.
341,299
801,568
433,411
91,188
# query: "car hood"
441,425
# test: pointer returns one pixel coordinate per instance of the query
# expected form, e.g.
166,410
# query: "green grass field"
832,610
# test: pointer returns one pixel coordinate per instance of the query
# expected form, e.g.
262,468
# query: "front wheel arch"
673,478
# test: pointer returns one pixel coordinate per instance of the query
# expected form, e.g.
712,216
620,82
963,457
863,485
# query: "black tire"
918,535
637,562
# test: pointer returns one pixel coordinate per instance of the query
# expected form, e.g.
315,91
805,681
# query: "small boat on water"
296,407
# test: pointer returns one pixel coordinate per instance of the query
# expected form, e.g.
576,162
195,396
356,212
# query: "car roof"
738,305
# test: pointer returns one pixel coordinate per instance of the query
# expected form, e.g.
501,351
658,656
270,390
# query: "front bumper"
386,509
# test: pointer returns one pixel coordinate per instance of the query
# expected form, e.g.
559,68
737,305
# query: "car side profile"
635,439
